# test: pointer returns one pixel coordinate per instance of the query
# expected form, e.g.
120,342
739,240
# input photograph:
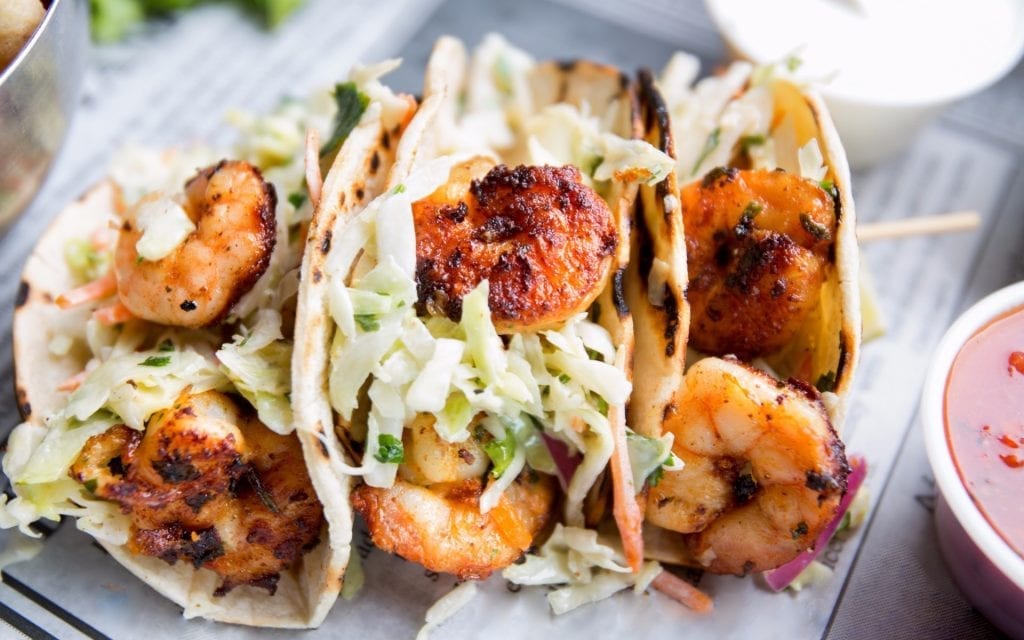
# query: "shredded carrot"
626,509
314,179
73,382
510,526
90,292
114,314
100,239
577,424
682,591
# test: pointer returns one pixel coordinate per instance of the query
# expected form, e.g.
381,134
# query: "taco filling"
473,367
171,436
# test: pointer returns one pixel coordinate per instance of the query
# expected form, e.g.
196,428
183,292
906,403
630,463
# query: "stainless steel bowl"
38,95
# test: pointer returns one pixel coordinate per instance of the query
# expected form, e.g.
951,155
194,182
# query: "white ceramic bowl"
984,566
873,123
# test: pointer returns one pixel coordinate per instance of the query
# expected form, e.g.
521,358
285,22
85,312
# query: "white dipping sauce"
890,51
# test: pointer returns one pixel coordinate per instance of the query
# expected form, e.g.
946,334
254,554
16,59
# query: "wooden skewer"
922,225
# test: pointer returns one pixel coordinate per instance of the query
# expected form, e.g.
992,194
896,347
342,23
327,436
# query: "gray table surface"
897,588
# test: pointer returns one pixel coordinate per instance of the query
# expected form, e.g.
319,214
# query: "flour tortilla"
828,343
304,594
609,96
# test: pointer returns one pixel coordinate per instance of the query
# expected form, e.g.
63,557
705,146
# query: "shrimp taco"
761,234
467,344
153,340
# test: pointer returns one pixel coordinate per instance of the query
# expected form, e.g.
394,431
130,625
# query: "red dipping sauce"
985,423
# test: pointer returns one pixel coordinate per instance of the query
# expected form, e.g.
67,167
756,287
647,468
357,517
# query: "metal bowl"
38,94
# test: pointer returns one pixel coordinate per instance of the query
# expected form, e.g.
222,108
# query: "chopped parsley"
815,228
399,188
755,140
800,531
261,491
709,145
367,321
827,185
389,449
351,105
297,199
826,382
90,485
564,378
655,477
746,223
501,452
156,361
166,346
793,63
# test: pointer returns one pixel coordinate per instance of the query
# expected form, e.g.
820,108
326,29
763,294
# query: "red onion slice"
565,462
780,578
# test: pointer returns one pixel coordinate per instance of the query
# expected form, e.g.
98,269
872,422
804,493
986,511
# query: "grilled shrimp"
196,284
758,249
541,237
431,515
209,484
764,469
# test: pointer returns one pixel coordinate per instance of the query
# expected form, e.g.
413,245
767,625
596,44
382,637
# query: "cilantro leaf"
351,105
709,145
389,449
501,452
367,322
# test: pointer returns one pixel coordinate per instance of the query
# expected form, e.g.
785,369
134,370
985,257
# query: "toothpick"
923,225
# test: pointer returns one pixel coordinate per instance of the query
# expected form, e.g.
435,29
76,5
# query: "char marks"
542,239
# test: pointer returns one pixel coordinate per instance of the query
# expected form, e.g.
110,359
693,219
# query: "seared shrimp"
541,237
196,285
211,485
758,248
431,515
764,469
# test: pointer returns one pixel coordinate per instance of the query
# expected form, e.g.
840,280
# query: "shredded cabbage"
446,607
562,134
125,384
812,163
86,262
650,457
591,570
559,381
711,126
164,225
259,366
813,574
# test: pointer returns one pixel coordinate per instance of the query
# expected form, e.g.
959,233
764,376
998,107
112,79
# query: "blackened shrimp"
541,237
196,285
431,515
208,484
764,469
758,249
